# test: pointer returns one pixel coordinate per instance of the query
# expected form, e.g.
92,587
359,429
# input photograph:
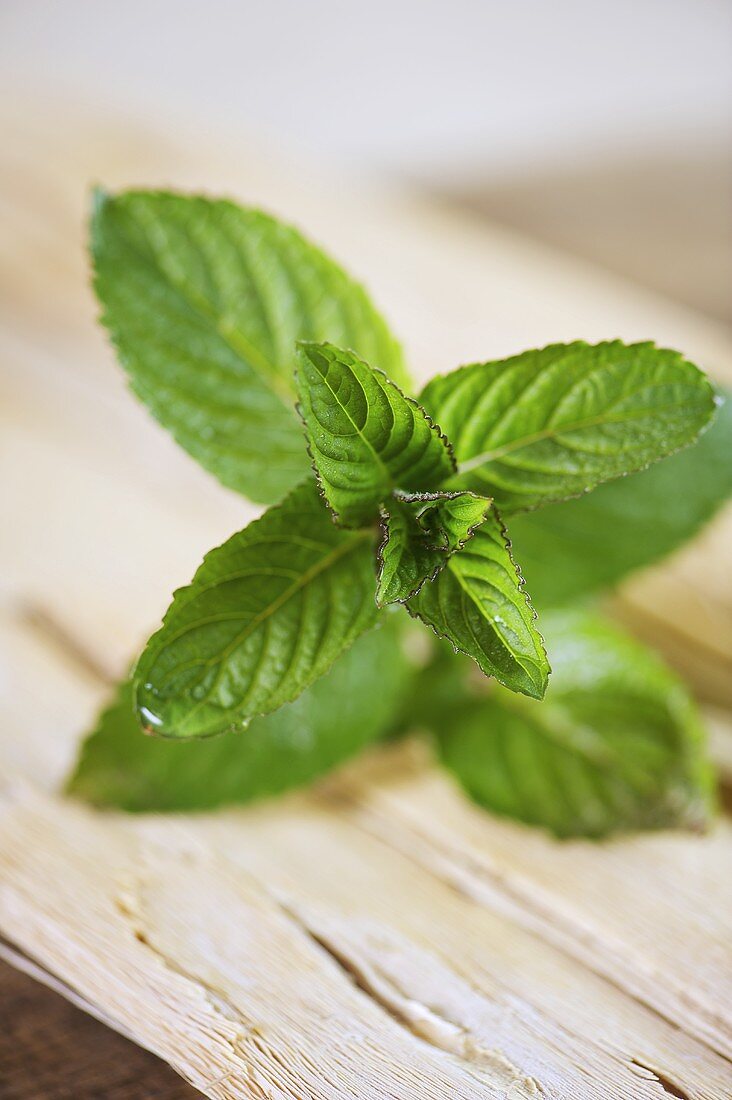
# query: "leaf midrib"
467,592
561,730
266,613
359,431
476,461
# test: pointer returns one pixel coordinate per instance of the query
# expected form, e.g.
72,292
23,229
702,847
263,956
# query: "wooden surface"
379,937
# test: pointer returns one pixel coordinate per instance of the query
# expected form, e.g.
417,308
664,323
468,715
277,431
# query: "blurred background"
604,128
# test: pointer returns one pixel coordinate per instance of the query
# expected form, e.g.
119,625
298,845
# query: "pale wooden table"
380,937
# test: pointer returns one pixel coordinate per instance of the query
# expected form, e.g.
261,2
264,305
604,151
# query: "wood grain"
377,937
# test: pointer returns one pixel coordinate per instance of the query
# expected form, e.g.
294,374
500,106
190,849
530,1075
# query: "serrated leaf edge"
449,494
272,380
433,425
413,498
646,344
380,563
177,601
522,589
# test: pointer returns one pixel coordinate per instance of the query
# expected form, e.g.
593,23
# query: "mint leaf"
573,549
616,745
265,615
550,424
479,605
419,533
451,519
364,436
351,706
204,301
407,556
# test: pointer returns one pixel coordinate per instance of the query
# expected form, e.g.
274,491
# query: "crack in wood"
556,930
218,1000
129,905
653,1074
425,1022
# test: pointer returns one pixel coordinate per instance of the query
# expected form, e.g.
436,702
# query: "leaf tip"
535,681
306,349
538,689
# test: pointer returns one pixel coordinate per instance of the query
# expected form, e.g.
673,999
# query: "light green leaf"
616,745
265,615
351,706
204,301
419,533
479,605
572,549
553,423
364,436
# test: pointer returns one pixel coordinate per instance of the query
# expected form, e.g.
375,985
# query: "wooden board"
378,937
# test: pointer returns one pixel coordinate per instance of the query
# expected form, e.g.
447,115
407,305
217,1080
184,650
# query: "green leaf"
364,436
419,533
573,549
616,745
351,706
265,615
204,301
451,519
551,424
407,556
479,605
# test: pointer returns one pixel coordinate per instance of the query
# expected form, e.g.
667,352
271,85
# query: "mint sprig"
226,320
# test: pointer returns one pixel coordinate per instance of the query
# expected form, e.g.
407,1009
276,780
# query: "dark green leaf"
204,301
479,605
616,745
419,533
349,707
572,549
365,437
265,615
550,424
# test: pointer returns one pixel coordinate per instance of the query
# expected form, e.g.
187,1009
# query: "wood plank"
649,913
329,965
380,937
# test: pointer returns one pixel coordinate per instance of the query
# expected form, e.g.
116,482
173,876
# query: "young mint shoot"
272,367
